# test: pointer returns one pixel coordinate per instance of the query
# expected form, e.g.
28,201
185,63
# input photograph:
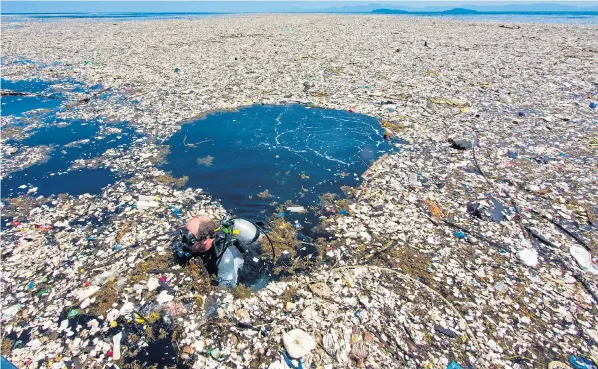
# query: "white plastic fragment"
528,257
584,259
84,293
298,343
278,364
85,303
127,308
164,297
501,286
35,344
153,283
144,204
504,98
9,313
113,315
116,346
413,180
296,209
149,198
63,325
103,277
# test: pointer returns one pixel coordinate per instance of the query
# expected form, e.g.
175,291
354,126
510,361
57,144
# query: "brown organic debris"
392,126
241,291
160,157
105,297
265,194
283,237
7,345
434,209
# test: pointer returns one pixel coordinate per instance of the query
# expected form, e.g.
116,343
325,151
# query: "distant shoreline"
463,11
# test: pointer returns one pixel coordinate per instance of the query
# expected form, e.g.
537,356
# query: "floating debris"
207,161
404,275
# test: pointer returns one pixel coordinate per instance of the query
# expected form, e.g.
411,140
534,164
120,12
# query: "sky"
283,6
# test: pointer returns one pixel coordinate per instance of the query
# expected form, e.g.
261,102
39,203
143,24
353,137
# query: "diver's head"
198,233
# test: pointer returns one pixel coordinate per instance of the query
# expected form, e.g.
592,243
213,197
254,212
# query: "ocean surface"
260,156
520,17
49,17
252,160
562,17
35,119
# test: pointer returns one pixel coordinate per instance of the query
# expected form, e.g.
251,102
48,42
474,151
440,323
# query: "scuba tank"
244,233
241,234
232,239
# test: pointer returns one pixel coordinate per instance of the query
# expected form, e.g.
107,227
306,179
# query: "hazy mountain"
480,7
455,11
389,11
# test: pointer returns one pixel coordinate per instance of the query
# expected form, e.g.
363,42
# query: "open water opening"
66,143
30,108
261,156
42,96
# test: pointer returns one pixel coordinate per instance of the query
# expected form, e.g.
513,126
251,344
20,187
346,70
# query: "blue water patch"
112,16
17,105
72,141
64,141
24,61
61,134
294,152
42,97
75,182
32,85
39,94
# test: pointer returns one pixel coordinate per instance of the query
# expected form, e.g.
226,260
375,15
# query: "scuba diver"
229,251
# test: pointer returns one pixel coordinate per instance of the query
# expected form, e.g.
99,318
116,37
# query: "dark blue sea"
102,16
252,160
35,116
261,156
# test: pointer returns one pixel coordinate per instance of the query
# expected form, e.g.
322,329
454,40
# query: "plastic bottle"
148,198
